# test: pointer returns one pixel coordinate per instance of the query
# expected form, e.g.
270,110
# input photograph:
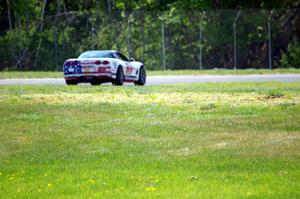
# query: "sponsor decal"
129,69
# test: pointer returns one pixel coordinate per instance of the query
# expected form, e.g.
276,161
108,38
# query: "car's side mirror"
132,59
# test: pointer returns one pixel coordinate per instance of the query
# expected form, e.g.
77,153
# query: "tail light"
105,62
98,62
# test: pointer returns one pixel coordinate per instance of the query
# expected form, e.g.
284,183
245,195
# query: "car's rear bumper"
91,77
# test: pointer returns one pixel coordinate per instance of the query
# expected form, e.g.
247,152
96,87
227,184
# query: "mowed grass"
233,140
59,74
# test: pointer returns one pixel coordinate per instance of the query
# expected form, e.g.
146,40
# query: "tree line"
41,34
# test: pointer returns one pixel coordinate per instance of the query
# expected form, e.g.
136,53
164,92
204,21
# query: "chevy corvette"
96,67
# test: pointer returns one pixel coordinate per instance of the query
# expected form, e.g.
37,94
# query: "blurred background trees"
41,34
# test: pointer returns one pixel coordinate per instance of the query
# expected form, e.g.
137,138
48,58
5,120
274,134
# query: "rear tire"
71,82
142,77
120,78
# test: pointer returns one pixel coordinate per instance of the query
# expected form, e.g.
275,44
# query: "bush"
292,57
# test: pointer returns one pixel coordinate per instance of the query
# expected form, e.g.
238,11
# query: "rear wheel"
119,81
71,82
142,77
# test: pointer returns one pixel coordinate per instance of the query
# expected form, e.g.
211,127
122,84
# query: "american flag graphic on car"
72,67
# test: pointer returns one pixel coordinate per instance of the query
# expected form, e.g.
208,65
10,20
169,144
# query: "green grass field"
45,74
233,140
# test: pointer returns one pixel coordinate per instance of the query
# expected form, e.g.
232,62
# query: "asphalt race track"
160,80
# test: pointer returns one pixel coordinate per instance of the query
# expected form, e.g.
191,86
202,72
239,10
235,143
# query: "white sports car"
97,67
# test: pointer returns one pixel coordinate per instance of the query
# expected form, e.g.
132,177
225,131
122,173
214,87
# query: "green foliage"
291,58
43,42
274,93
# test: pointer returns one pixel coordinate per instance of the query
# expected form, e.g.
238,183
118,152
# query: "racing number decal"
129,69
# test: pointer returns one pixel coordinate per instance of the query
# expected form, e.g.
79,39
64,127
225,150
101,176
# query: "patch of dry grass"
169,99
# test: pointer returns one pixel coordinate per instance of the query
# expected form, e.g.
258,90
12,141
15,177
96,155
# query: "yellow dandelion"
46,174
49,185
0,174
249,193
150,189
11,178
18,190
92,181
156,180
39,190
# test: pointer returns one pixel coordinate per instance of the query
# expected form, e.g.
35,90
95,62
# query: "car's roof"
107,51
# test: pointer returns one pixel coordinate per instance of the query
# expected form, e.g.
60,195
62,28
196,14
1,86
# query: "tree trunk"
42,15
41,30
143,35
65,10
55,35
9,15
109,6
65,7
58,7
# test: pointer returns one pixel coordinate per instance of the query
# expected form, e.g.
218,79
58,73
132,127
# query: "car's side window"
115,55
123,57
